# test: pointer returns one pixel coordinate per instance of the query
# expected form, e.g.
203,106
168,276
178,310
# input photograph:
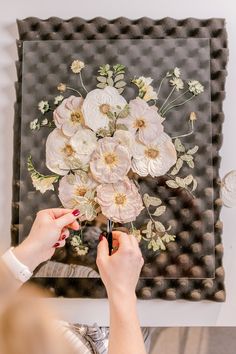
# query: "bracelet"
20,271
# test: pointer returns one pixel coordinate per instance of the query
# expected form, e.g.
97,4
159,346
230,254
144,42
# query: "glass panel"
189,214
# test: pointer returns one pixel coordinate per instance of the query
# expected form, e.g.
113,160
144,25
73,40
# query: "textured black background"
213,29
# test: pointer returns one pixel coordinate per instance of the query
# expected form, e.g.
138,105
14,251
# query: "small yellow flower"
77,66
192,116
61,87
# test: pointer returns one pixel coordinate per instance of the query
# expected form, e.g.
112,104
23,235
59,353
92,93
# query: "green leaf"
101,85
121,127
120,84
124,112
193,150
101,79
159,226
194,185
177,167
148,200
188,180
110,115
172,184
179,146
160,210
186,157
180,182
119,77
190,163
110,81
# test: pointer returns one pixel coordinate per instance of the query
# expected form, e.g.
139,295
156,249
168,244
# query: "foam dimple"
194,249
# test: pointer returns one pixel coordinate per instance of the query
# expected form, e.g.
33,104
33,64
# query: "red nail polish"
56,245
63,237
101,237
76,212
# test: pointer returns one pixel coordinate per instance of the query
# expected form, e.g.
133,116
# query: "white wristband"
20,271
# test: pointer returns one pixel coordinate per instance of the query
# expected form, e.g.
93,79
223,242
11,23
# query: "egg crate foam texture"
191,268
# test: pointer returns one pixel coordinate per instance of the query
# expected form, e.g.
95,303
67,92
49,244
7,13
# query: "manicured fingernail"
101,237
76,212
63,237
56,245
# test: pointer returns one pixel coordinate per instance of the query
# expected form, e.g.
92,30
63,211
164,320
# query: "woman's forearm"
125,330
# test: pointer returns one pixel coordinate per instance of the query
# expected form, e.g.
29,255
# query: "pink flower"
143,121
120,202
110,162
68,116
154,159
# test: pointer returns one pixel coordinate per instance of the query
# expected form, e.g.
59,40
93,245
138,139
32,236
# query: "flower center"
140,123
120,198
68,150
81,191
110,158
104,108
152,153
76,117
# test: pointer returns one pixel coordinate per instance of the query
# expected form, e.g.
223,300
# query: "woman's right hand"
120,271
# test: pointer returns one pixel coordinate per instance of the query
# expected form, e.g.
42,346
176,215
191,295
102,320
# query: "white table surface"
153,312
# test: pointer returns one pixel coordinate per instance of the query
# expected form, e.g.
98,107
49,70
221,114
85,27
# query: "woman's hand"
49,231
120,271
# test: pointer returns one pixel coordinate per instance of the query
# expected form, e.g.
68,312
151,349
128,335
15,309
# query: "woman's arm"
49,231
120,273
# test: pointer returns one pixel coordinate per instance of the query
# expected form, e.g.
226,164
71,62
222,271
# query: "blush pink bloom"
110,162
68,115
143,121
120,202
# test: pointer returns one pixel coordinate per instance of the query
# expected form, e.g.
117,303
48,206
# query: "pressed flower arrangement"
99,145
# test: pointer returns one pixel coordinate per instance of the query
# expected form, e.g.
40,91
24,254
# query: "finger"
66,219
102,249
134,241
56,212
59,244
64,234
74,226
122,238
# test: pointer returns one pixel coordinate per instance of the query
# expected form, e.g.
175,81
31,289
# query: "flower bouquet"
99,146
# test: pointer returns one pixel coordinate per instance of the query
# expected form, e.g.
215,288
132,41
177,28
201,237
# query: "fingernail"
101,237
56,245
63,237
76,212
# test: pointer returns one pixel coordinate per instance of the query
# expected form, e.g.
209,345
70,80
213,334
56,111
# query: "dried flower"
58,99
193,116
146,91
43,184
77,66
45,121
177,83
120,202
43,106
61,87
195,87
34,124
176,72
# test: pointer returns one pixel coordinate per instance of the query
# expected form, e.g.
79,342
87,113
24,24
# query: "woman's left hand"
49,231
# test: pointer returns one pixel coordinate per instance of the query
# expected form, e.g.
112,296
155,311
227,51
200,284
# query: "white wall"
156,313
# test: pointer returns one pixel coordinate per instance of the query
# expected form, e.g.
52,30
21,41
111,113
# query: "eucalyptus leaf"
172,184
119,77
179,146
120,84
193,150
160,210
101,79
101,85
180,182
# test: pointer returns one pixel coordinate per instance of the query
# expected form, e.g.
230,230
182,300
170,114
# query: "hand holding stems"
49,231
120,273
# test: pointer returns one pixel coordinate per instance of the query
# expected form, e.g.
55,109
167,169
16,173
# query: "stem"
158,91
187,134
82,83
184,93
132,226
72,89
170,94
177,105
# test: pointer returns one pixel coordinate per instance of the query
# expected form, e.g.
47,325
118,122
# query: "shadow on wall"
202,340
